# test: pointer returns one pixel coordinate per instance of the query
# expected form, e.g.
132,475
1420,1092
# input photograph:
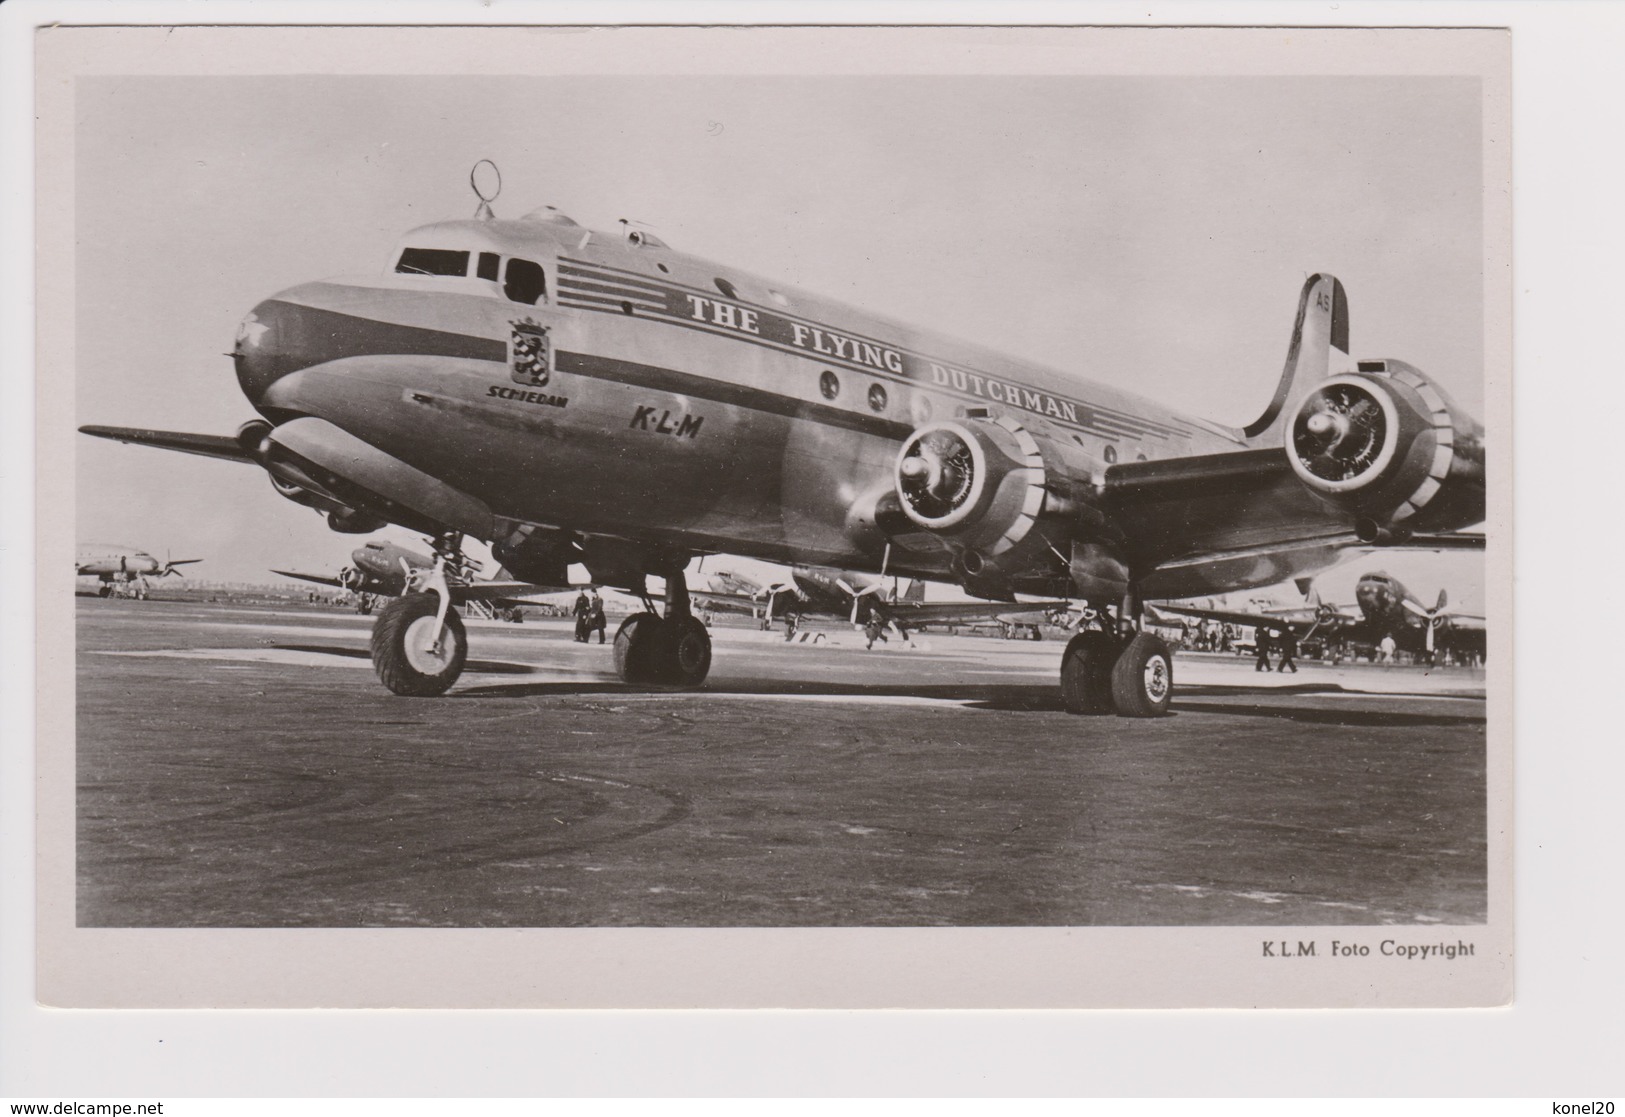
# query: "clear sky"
1147,232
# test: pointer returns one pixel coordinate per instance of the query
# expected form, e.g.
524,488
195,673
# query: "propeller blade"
1417,609
1444,599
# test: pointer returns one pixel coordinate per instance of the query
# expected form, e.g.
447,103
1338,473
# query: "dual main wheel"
1101,674
653,649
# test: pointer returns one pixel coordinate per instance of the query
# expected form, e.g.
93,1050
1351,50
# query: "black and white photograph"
809,516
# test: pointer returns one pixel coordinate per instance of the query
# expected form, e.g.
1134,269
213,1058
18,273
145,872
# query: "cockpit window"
489,263
526,283
433,261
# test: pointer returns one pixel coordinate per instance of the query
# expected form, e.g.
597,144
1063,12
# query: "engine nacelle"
292,490
340,517
980,485
1388,446
355,521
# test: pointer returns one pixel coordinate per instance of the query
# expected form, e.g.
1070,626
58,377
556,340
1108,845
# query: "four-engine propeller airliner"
575,396
380,568
124,571
855,598
1386,608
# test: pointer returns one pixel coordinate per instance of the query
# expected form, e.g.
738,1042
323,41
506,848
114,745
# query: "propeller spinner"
1340,432
936,473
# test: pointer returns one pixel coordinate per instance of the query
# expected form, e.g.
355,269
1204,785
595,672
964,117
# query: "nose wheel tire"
407,660
1142,679
1086,673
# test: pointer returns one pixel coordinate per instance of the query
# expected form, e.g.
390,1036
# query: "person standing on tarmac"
1261,649
1289,648
597,623
874,630
583,610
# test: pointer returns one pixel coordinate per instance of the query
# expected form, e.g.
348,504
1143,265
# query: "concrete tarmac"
241,766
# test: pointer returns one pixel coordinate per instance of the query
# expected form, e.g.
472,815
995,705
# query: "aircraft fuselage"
655,396
116,564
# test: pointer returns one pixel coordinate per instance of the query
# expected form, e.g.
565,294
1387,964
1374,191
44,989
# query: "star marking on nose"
251,331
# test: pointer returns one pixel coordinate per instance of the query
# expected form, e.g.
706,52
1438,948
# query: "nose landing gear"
419,645
414,654
674,649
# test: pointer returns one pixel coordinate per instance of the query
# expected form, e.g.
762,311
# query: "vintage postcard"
659,517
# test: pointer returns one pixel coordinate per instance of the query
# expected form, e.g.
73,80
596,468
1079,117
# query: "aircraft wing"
501,591
964,612
1441,541
729,602
319,579
1300,625
1210,522
208,445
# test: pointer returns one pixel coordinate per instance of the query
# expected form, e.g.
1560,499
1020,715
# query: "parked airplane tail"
1320,347
915,591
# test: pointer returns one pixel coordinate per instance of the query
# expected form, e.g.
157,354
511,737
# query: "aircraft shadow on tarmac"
483,666
1034,697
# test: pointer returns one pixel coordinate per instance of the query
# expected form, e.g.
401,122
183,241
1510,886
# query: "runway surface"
241,766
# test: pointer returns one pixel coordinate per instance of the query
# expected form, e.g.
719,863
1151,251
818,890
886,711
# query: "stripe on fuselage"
725,391
584,285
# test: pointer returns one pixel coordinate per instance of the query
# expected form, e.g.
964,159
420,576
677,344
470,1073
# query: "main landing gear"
673,649
1125,671
418,642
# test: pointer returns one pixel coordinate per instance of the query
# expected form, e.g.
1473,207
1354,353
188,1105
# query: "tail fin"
1320,340
915,591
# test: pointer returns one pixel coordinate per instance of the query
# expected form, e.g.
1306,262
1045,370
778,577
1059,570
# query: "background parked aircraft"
383,568
855,597
124,571
1385,607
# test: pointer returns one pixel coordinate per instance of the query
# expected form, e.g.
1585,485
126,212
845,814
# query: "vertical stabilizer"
1320,346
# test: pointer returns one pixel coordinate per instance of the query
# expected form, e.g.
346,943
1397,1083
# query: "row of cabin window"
525,282
829,385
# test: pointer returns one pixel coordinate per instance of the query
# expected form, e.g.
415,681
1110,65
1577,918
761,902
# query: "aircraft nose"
259,353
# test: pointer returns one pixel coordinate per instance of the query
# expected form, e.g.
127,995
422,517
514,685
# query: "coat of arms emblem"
530,355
